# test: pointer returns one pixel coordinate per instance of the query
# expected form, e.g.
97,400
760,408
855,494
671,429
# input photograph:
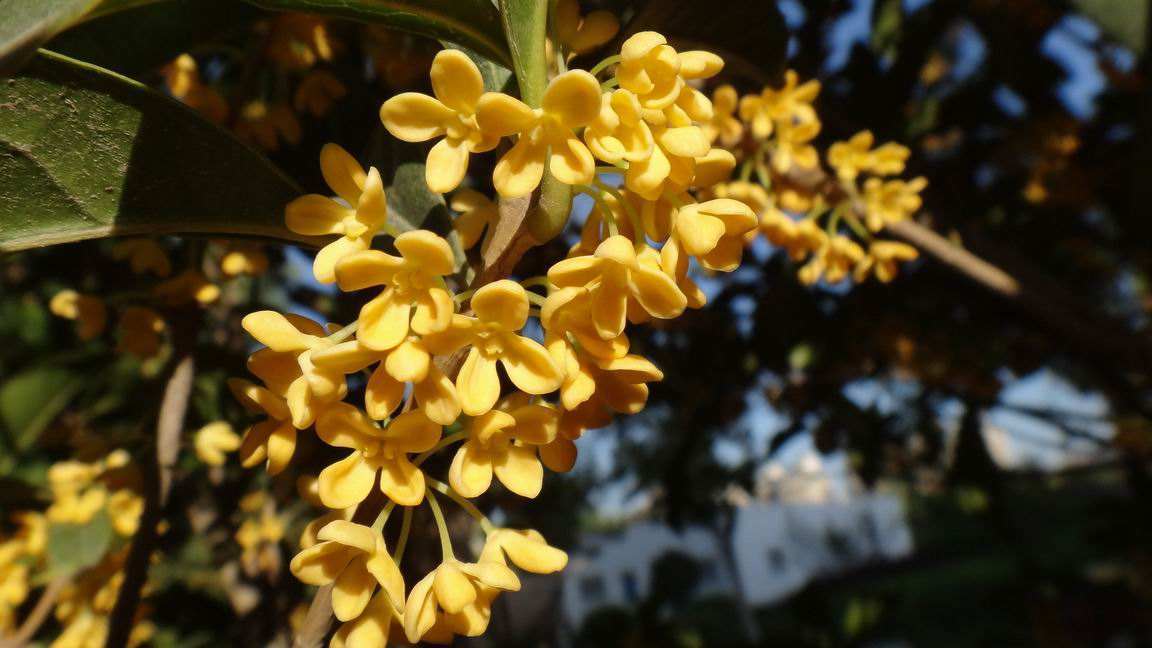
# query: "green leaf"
86,153
27,24
139,41
32,399
1123,20
72,547
750,35
475,24
525,24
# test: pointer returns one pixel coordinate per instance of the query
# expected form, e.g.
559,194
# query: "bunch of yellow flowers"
436,352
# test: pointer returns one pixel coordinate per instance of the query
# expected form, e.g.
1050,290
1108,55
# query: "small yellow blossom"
457,595
317,92
266,125
580,34
272,440
187,287
833,262
891,201
656,73
501,310
139,331
241,259
724,127
89,313
619,132
259,538
614,276
857,155
415,297
883,260
356,220
214,440
375,450
355,559
526,548
143,255
715,231
504,442
794,146
545,134
299,41
416,117
182,77
790,104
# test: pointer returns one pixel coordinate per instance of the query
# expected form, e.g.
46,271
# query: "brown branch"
38,615
317,622
169,427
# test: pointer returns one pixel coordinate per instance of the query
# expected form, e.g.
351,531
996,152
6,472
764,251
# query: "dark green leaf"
31,400
1123,20
26,24
138,41
472,23
86,153
526,23
72,547
750,35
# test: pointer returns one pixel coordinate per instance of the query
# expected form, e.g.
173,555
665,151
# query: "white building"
805,523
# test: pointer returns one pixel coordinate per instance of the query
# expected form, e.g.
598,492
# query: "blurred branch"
173,408
317,622
38,615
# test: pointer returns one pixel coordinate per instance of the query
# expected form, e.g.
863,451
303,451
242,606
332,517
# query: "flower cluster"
457,368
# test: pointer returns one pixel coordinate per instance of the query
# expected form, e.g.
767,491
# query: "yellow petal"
352,590
519,172
343,425
456,80
504,303
412,432
646,177
633,368
698,232
559,456
346,357
501,115
434,310
471,471
372,208
275,331
528,551
387,573
520,471
426,251
640,44
575,272
321,563
688,141
315,215
369,629
714,167
408,362
697,64
609,311
281,446
572,99
324,266
492,574
342,173
477,385
383,394
447,165
571,161
384,322
402,482
529,366
415,117
420,609
436,396
452,587
346,482
368,268
657,293
535,424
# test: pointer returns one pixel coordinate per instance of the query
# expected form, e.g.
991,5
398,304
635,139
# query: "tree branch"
169,427
38,615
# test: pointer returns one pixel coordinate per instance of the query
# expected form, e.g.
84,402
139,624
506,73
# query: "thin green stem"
532,282
609,84
746,169
402,540
617,169
857,226
382,518
536,298
602,65
629,210
441,526
606,212
462,297
464,503
344,333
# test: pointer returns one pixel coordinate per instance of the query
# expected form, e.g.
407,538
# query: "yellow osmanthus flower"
286,364
375,451
656,73
614,276
501,310
833,262
89,313
185,288
504,442
416,117
14,586
567,312
143,255
790,104
259,537
213,441
139,331
124,509
272,440
891,201
414,298
674,263
724,127
883,260
857,156
317,92
240,259
580,34
355,560
476,214
619,132
715,231
182,77
266,125
617,383
298,41
457,597
527,549
546,136
793,146
356,220
408,362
